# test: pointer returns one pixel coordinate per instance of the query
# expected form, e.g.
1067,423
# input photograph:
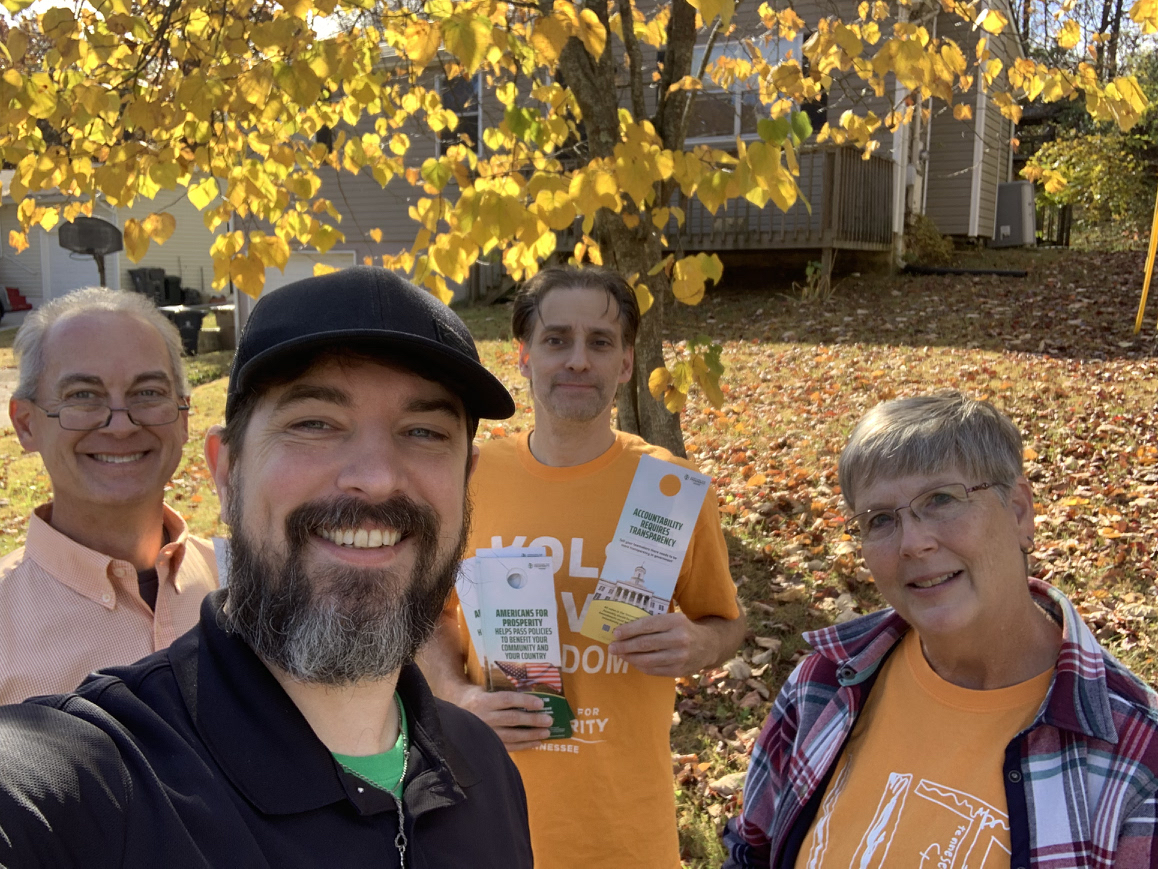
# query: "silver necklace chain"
400,839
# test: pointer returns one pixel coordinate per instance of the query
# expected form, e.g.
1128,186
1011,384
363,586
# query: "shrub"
924,243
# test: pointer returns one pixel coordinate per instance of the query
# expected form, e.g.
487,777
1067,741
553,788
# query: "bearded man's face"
349,516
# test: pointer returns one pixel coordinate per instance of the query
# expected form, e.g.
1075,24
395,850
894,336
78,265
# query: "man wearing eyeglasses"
108,573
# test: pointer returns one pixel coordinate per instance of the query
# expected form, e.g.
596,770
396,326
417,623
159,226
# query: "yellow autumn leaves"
124,100
139,233
695,362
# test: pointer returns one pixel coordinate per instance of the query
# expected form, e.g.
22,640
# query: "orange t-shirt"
919,783
606,796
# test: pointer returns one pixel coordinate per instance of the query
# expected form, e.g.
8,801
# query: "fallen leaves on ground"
1054,350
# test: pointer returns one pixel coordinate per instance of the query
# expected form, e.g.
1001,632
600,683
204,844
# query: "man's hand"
515,717
673,645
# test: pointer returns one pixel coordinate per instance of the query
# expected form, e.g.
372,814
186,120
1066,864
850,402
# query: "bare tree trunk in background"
1100,48
1112,48
1026,15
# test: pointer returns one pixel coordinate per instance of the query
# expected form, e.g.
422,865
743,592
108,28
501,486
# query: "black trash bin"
150,282
188,323
172,293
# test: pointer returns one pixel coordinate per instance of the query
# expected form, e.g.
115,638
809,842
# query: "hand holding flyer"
508,599
645,556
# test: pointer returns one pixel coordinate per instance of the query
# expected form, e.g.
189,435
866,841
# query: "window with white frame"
720,115
463,96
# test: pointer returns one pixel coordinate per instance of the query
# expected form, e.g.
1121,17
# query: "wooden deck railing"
861,199
851,203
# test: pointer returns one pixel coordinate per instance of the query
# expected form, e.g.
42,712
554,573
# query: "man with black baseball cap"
290,727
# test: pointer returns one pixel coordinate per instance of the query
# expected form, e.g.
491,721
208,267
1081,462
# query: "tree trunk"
1026,15
1115,34
635,252
1100,47
628,251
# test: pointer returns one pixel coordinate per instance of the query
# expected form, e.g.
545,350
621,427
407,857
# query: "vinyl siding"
366,206
185,253
952,144
950,171
21,271
998,132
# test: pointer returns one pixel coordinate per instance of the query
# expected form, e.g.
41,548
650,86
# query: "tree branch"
681,41
686,115
634,58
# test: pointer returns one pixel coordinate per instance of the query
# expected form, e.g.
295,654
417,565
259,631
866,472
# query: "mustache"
399,512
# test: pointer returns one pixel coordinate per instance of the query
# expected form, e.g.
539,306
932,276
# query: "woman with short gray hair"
976,721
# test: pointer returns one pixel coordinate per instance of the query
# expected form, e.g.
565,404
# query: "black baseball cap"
371,309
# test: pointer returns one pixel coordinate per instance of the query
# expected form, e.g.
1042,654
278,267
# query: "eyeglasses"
88,416
943,504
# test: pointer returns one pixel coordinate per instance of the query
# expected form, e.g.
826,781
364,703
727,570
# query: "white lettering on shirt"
574,619
575,565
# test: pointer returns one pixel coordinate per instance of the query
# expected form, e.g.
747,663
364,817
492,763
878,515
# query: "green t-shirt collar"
383,770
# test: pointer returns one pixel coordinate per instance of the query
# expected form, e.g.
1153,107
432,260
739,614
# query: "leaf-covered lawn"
1054,350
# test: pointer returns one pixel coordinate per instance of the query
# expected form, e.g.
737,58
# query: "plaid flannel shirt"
1081,783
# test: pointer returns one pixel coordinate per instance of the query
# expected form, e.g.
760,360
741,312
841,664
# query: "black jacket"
195,757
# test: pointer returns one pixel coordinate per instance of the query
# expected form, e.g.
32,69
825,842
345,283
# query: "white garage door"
300,265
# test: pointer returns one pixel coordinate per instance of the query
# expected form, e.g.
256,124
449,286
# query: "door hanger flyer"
466,585
645,556
520,640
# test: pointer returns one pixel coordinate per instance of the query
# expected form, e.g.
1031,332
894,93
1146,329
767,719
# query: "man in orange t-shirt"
108,573
604,797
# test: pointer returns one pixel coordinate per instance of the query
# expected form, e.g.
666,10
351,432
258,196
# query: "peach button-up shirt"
66,610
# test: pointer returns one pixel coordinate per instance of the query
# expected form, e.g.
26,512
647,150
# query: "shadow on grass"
1071,305
1077,305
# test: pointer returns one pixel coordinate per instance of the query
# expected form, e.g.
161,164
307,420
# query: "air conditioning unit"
1016,225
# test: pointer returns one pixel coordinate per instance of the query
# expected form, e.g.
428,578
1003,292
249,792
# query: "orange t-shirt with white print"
605,797
919,783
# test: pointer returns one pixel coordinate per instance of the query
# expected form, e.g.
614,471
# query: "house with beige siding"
943,167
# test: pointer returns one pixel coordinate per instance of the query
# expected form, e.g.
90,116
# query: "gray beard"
338,625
